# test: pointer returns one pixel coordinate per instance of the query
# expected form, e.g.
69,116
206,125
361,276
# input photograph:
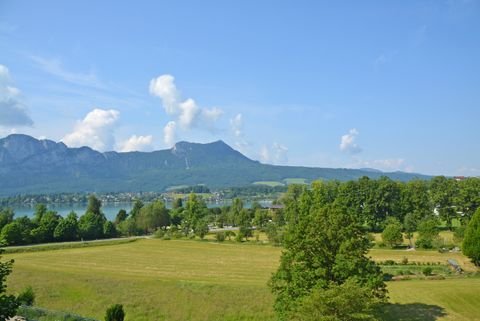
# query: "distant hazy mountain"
30,166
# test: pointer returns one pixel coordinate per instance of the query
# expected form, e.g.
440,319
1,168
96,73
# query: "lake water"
109,209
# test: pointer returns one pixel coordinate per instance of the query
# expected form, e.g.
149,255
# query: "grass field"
193,280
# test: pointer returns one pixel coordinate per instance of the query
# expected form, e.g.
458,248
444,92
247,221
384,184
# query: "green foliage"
201,228
153,216
115,313
8,303
13,234
427,271
220,236
26,297
392,234
326,246
6,217
121,216
94,205
67,228
345,302
90,226
274,234
427,233
109,230
471,240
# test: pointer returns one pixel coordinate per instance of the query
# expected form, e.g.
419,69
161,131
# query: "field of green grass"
289,181
193,280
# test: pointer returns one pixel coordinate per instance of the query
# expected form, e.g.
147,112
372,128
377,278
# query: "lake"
109,209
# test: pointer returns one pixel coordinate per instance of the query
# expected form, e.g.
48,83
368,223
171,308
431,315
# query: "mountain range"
32,166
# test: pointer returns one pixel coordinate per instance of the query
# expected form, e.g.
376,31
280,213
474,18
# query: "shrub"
405,260
115,313
471,240
26,297
220,236
427,271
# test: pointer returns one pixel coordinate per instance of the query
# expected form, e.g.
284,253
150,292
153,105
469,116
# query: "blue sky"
393,85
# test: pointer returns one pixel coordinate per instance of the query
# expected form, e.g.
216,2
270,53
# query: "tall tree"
325,247
444,191
471,240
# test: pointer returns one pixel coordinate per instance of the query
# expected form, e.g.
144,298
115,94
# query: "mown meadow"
201,280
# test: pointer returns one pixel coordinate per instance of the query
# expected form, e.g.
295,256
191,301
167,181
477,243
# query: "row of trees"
189,218
377,200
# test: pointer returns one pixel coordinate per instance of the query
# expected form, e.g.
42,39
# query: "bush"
471,240
427,271
115,313
405,260
26,297
220,236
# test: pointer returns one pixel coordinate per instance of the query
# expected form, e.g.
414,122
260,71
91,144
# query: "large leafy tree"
67,228
468,197
471,240
324,248
8,303
443,193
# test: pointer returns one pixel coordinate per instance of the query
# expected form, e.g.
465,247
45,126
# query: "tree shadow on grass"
409,312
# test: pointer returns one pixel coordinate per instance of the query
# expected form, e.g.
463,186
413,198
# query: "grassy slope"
190,280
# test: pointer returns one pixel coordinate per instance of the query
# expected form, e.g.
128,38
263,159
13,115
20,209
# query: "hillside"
30,166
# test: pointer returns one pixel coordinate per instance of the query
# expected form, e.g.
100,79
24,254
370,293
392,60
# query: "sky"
392,85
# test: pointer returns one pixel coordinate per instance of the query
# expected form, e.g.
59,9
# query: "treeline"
190,218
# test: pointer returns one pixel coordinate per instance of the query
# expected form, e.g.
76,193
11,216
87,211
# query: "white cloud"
186,113
55,68
169,133
12,111
275,154
137,143
236,125
348,144
95,130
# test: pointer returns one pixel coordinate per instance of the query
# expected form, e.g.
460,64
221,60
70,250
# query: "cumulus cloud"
12,111
137,143
236,124
276,154
186,113
170,133
348,144
95,130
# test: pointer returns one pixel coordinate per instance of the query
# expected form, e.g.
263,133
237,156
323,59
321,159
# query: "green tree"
8,303
195,210
392,234
121,216
6,216
427,233
115,313
201,228
153,216
471,239
109,230
326,246
12,234
346,302
468,197
90,226
444,192
410,223
67,228
137,206
94,205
